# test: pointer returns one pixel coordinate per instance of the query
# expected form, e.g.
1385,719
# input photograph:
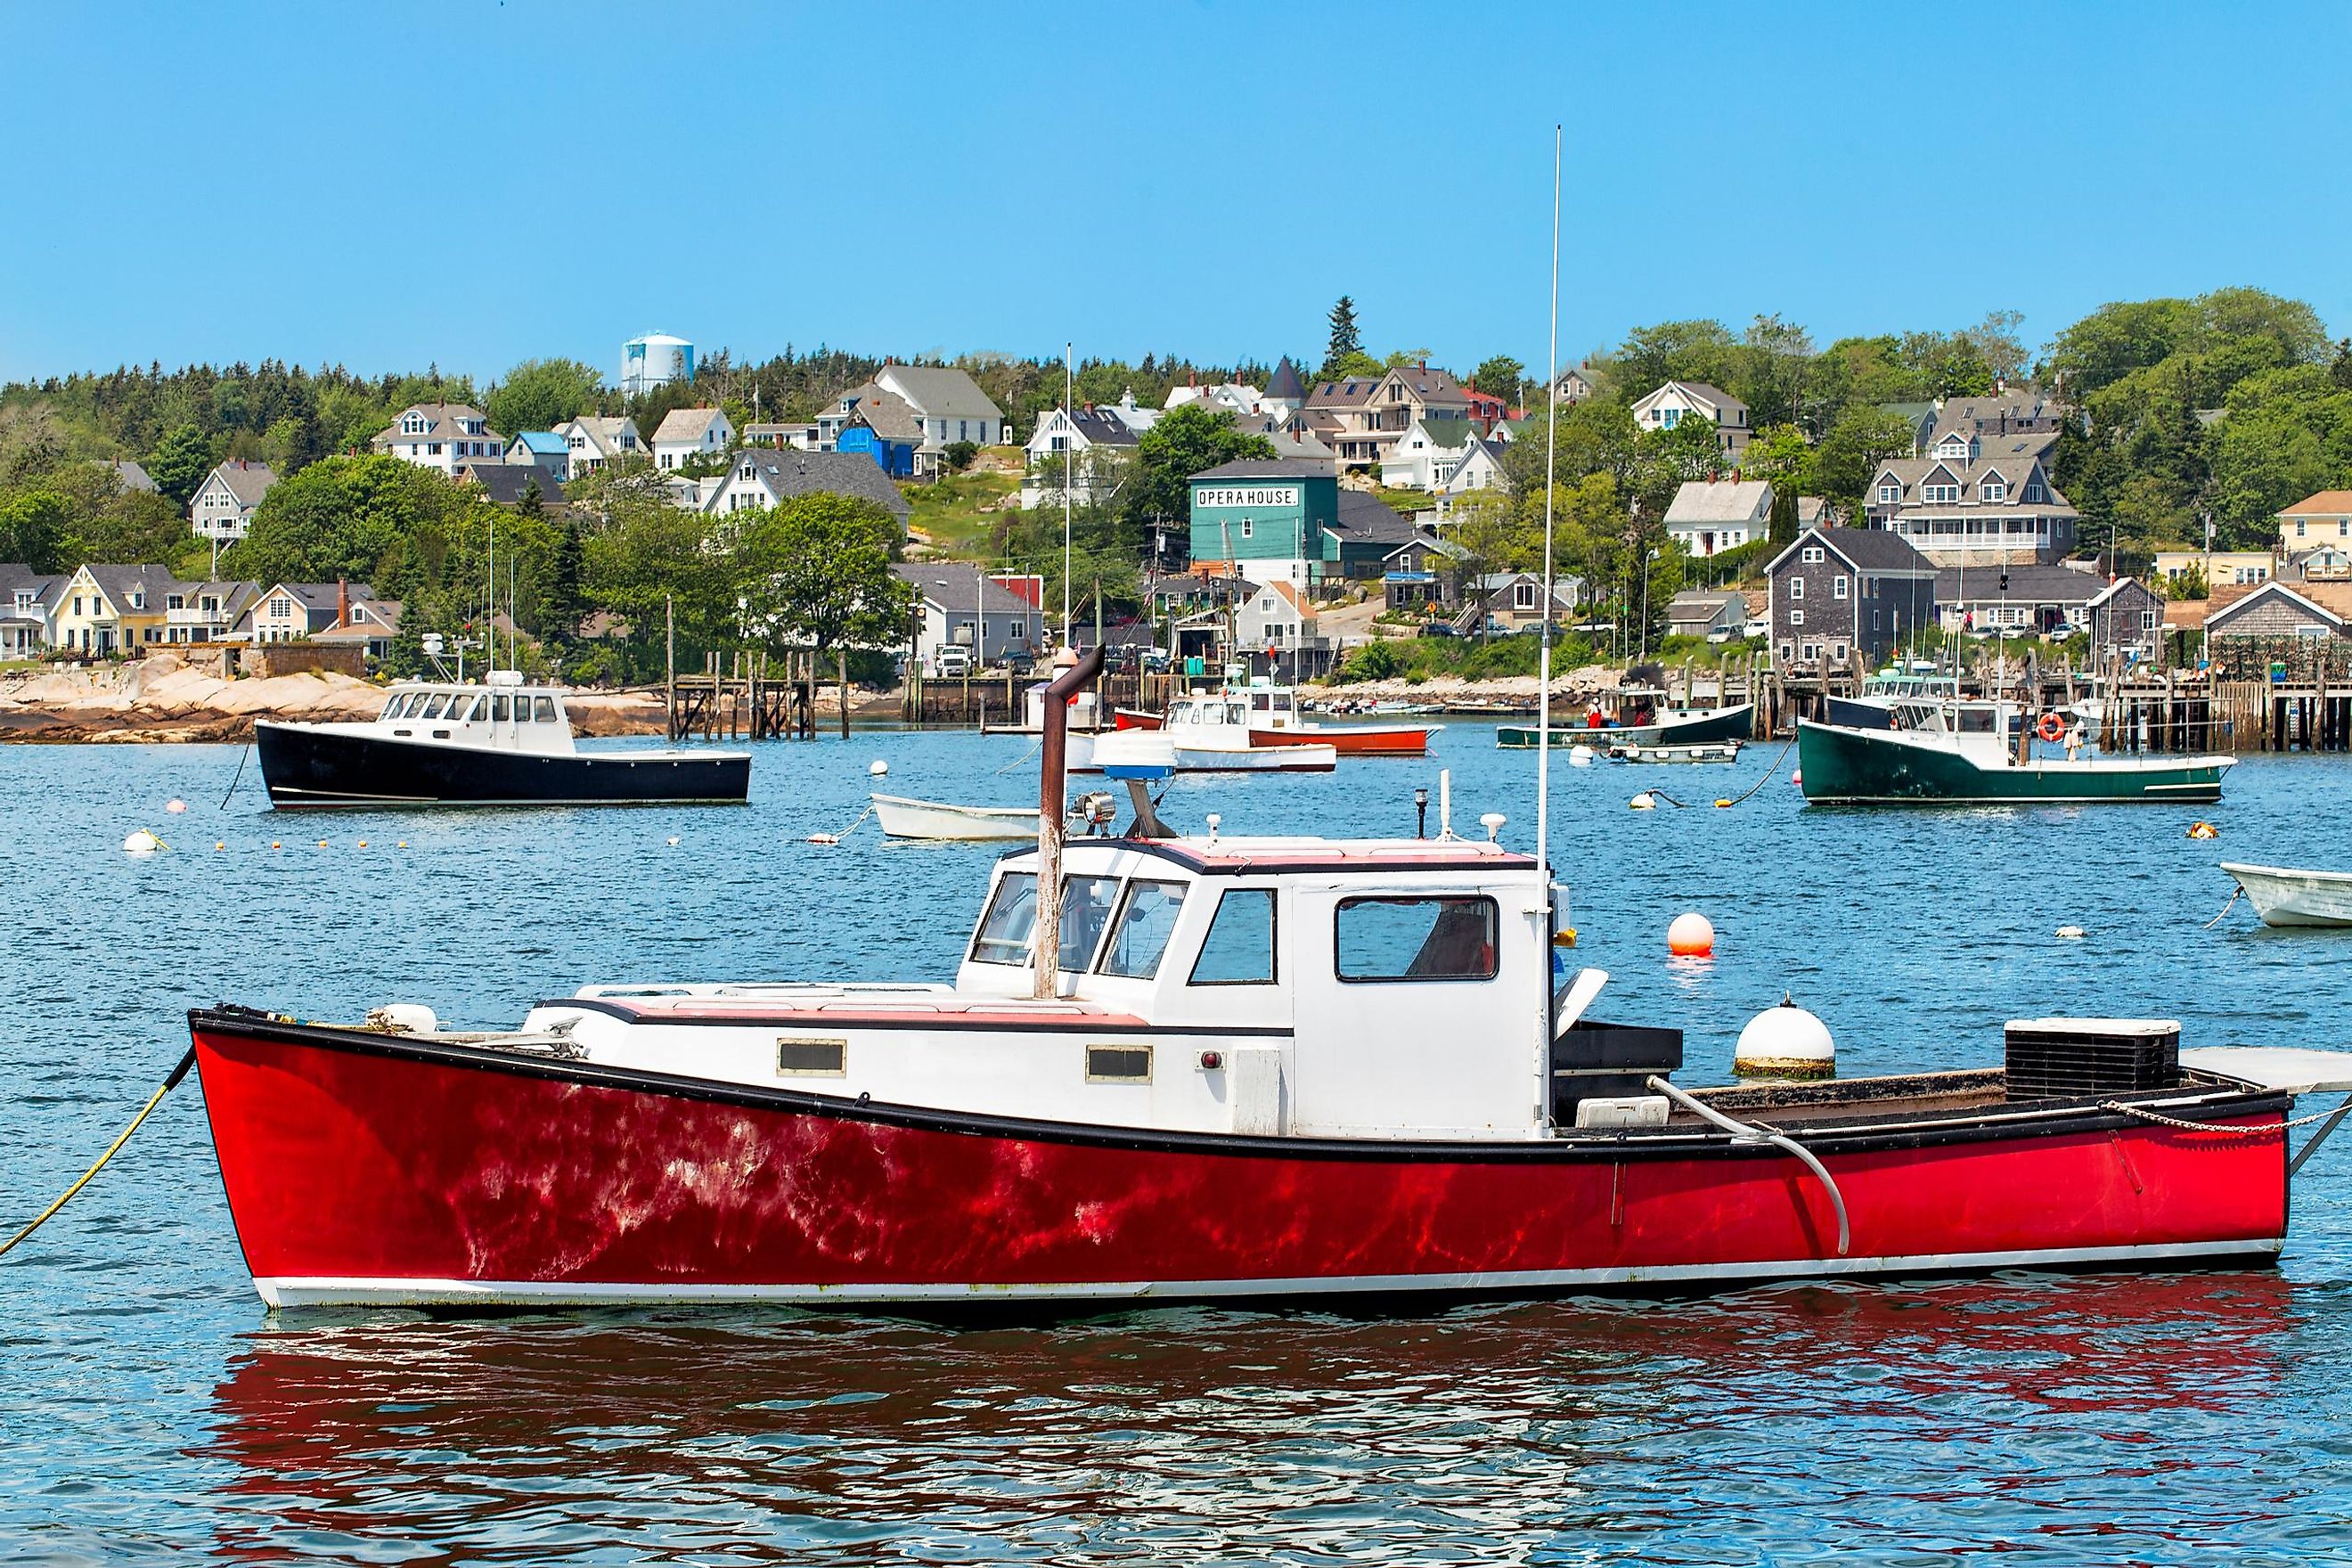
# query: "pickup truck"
952,661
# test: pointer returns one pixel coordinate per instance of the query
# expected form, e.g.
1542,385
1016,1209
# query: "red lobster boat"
1261,1068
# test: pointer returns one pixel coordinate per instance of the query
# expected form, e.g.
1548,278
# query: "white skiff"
2283,896
903,819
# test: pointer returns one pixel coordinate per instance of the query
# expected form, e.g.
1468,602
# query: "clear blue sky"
476,183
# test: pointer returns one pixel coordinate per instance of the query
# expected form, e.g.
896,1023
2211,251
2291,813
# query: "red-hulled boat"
1275,718
1261,1068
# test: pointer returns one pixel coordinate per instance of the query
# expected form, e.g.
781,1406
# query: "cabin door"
1404,1021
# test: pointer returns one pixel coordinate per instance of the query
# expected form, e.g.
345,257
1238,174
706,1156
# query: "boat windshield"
1146,921
1011,922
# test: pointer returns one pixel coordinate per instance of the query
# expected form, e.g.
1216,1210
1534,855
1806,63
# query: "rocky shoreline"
163,698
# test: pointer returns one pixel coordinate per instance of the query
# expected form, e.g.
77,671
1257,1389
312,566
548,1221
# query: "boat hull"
1350,739
312,768
364,1168
1849,766
900,817
2284,897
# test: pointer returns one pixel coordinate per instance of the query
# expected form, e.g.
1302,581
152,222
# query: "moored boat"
2285,896
1143,1085
1695,752
900,817
501,743
1676,727
1978,754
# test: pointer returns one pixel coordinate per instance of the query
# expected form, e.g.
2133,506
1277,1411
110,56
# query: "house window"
1523,596
1246,528
1837,586
1796,587
432,448
77,604
1889,494
1995,490
1812,553
1939,493
1669,416
2035,495
2147,620
1796,616
2300,529
1018,631
1837,650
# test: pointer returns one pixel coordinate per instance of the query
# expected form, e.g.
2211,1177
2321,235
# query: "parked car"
1021,661
952,661
1155,662
1438,629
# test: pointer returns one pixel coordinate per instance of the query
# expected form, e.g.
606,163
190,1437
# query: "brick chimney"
342,602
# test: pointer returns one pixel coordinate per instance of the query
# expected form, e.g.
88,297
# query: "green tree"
1849,455
1499,376
1346,339
33,529
565,600
351,517
816,574
541,394
180,463
1672,350
1183,442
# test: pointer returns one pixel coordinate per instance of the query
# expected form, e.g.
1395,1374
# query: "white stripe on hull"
368,1292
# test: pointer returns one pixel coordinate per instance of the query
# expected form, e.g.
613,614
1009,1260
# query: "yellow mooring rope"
154,1100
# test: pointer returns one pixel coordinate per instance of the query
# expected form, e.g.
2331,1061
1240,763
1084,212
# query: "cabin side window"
501,708
1416,939
1139,939
434,705
542,709
1239,948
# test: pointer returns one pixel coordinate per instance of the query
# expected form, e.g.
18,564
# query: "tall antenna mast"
1069,459
1543,678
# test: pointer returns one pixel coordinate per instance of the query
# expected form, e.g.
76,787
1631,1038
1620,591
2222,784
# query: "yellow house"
113,609
2317,520
2230,568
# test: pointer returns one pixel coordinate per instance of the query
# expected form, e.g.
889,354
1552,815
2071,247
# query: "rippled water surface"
153,1409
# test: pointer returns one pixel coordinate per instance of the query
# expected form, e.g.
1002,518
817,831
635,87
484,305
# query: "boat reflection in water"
2017,1409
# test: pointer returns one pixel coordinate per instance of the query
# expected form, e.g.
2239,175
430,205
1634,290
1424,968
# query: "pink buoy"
1798,777
1691,936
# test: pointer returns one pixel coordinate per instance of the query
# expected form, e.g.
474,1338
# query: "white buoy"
1797,777
1644,801
2072,933
142,842
1785,1042
878,768
1691,936
175,805
1579,756
673,843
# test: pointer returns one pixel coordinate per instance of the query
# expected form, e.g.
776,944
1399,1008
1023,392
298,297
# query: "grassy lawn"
949,514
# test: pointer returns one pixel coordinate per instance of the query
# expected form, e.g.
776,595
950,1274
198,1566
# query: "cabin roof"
1236,856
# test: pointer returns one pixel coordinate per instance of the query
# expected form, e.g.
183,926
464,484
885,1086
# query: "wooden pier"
744,700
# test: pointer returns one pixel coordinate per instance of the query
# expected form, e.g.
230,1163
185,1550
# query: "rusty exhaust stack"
1054,722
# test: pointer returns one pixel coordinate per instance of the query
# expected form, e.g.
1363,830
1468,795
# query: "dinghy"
2283,896
900,817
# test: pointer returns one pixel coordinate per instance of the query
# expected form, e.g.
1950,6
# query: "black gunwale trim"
1192,863
618,1008
1679,1144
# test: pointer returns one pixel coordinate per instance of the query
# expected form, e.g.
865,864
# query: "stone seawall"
163,698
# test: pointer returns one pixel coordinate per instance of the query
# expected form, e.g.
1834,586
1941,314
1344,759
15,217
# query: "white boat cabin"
1263,986
502,713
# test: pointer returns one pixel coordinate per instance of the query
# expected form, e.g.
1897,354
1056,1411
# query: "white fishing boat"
1206,732
2285,896
900,817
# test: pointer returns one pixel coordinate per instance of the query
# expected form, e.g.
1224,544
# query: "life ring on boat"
2053,727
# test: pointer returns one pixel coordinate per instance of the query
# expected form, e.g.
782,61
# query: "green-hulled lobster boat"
1969,753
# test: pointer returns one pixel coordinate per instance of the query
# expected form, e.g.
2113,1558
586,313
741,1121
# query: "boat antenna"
1543,676
1069,461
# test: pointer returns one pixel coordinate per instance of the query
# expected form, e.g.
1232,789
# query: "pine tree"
1345,339
564,601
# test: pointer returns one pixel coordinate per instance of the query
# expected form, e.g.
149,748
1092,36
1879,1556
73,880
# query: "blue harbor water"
153,1409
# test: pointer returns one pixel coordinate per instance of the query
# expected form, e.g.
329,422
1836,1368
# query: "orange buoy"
1691,936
